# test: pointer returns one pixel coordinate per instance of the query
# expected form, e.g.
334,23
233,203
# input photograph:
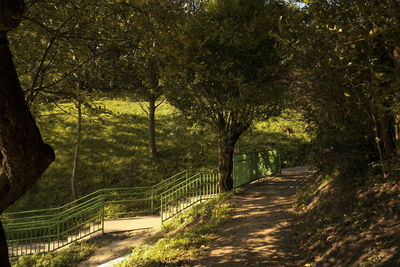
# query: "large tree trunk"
226,150
152,127
23,153
76,150
230,129
3,248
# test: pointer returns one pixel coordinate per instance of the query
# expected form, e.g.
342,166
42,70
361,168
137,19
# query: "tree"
148,27
24,154
69,36
227,70
64,43
351,68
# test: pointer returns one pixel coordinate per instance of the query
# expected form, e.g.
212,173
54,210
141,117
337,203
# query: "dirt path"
259,232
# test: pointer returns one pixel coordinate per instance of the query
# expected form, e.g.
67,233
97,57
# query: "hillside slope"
345,225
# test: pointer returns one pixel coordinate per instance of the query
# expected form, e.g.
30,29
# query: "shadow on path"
259,233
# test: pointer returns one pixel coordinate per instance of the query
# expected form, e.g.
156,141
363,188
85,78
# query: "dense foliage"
228,69
348,71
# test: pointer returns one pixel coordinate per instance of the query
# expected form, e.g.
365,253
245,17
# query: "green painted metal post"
102,213
161,209
58,230
152,200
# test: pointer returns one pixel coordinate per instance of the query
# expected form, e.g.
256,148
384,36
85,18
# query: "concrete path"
110,226
116,247
129,224
133,232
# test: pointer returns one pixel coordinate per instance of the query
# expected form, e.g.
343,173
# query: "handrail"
49,228
91,194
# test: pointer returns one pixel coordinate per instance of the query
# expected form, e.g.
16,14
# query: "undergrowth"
63,258
182,238
341,224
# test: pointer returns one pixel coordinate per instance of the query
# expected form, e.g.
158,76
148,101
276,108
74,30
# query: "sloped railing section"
46,230
202,186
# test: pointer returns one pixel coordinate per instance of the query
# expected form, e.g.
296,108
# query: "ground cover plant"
359,228
183,237
66,257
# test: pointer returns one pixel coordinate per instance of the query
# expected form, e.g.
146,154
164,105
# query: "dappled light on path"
259,232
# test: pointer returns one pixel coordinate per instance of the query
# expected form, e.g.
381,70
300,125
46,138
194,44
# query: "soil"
260,231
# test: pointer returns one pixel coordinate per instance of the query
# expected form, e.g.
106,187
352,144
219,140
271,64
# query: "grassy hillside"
287,133
114,150
114,147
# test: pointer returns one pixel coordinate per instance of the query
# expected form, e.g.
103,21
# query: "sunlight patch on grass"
184,237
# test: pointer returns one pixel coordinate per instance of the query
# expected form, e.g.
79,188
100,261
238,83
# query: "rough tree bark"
226,150
23,153
230,131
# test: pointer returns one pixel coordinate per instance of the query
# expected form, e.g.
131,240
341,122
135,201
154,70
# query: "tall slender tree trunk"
152,127
23,154
386,133
394,5
77,149
396,116
397,133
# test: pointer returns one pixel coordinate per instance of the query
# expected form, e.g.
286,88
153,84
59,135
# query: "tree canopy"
227,69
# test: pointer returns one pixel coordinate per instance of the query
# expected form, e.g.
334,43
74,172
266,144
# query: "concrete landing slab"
133,223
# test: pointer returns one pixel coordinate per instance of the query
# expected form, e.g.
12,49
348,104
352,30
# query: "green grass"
183,238
114,150
63,258
114,147
287,133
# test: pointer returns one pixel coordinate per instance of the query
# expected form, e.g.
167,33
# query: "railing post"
161,209
48,238
152,200
102,213
58,230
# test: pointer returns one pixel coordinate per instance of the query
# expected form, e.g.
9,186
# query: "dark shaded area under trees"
24,154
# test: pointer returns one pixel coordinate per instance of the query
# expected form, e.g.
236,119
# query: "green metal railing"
248,167
202,186
45,230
